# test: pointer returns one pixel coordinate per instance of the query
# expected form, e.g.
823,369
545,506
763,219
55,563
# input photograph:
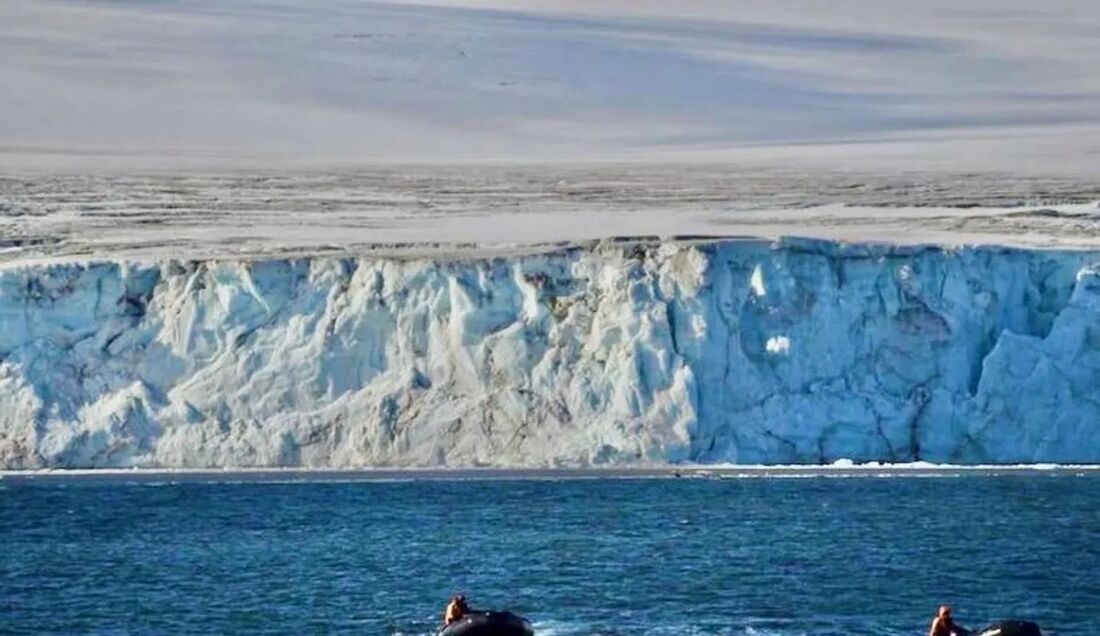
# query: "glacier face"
612,353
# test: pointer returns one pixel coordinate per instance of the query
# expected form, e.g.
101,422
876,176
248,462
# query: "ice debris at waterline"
611,353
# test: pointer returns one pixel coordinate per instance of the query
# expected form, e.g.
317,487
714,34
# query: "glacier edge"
616,353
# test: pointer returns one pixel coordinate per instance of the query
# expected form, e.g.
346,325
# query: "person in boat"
456,609
944,625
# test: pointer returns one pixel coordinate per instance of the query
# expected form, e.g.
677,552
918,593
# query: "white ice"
613,354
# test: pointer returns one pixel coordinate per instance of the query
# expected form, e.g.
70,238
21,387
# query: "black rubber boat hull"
1011,628
489,624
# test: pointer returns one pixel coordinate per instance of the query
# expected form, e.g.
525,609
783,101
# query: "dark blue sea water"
654,556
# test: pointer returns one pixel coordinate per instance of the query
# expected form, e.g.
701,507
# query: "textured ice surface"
616,353
418,211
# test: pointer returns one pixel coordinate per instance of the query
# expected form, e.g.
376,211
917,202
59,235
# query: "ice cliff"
617,352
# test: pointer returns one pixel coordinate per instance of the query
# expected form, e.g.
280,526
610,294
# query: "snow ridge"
618,353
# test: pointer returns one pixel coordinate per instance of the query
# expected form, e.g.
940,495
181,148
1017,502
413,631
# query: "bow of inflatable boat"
1011,628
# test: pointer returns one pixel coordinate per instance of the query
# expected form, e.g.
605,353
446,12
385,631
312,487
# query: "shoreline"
320,475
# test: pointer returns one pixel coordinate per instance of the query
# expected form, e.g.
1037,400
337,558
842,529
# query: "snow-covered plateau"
617,352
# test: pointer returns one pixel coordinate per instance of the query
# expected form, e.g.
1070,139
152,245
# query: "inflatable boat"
1010,628
482,623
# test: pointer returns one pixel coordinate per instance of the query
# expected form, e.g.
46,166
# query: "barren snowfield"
284,127
417,211
855,84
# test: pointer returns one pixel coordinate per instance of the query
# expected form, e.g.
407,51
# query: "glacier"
611,352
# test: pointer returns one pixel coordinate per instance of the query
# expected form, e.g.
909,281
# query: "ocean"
650,555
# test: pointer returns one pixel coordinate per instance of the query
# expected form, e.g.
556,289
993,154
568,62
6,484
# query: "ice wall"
612,353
